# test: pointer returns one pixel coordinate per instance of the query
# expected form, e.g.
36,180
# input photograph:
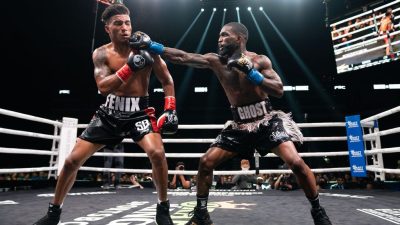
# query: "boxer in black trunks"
123,74
248,79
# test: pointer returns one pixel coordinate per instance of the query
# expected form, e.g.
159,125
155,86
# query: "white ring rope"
365,13
366,51
29,117
356,24
353,32
27,151
367,123
372,136
374,33
194,155
364,43
210,140
383,150
382,170
220,172
27,170
29,134
354,40
356,46
381,115
221,126
362,29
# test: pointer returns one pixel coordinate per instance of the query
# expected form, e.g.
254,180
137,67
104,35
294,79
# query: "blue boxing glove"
140,41
245,65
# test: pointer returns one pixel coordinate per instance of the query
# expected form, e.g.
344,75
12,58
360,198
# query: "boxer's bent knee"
298,166
157,155
206,164
71,164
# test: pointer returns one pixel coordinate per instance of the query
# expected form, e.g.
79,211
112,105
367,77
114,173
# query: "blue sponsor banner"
355,143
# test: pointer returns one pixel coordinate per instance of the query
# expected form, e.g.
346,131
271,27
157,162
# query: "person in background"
179,181
244,181
112,180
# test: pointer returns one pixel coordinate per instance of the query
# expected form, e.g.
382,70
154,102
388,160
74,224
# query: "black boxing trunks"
121,117
257,127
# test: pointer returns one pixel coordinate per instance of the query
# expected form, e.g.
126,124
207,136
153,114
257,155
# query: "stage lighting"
64,92
224,9
214,9
237,8
261,8
249,8
202,9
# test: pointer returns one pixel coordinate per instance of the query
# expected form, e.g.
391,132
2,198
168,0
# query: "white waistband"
126,104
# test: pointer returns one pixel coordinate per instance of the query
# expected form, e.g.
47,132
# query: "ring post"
69,130
257,162
53,158
377,159
355,143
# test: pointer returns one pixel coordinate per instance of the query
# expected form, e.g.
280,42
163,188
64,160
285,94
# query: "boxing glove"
167,123
245,65
135,62
140,40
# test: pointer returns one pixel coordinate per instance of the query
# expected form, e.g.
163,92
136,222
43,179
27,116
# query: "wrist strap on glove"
156,48
169,103
255,77
124,73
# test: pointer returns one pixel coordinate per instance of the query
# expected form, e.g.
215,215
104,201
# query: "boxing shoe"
52,217
319,216
199,217
162,215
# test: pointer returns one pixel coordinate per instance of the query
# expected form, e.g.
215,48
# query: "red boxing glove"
168,121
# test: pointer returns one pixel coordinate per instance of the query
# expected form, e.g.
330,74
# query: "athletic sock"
314,202
162,202
202,202
54,208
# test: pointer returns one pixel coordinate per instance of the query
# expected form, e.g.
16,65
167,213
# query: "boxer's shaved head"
239,29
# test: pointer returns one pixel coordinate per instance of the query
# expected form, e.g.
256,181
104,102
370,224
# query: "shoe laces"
191,213
198,213
321,215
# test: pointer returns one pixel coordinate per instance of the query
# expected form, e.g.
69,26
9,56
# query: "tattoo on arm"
99,61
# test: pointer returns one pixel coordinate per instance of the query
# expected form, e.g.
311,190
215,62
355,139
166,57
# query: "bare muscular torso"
237,88
386,24
137,85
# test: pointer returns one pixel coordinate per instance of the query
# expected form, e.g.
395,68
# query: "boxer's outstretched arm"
184,58
273,83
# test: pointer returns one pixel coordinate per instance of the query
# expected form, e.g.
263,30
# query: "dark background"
46,47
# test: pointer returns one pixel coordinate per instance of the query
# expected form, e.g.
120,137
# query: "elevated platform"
125,206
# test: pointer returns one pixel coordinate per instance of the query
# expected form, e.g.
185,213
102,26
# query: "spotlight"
214,9
237,8
224,9
249,8
202,9
261,8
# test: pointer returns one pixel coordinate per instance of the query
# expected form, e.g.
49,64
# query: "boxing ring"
360,44
125,206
